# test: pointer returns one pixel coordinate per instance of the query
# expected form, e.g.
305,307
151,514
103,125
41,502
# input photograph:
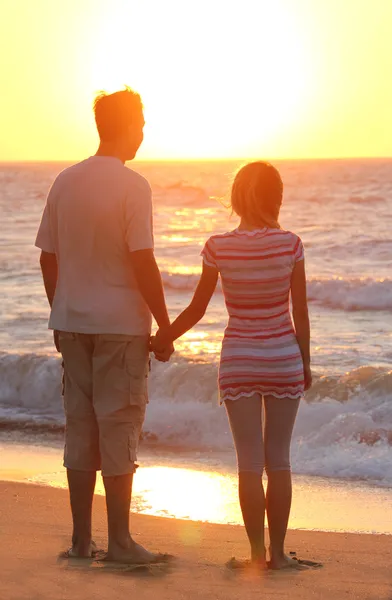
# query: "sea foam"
343,429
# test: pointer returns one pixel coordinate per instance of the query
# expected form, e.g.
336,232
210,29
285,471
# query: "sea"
342,442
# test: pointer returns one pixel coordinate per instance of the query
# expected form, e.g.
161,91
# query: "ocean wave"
349,294
352,293
370,199
179,282
181,193
344,426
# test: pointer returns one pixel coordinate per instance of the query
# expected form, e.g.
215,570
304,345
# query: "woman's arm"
195,311
301,316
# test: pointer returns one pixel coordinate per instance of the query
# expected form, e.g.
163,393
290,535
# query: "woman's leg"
280,416
246,425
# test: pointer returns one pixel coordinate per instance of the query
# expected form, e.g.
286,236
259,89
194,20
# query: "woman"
265,359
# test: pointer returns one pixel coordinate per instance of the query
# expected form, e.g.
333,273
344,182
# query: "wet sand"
35,527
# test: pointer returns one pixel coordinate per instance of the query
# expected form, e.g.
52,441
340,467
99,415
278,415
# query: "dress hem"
262,392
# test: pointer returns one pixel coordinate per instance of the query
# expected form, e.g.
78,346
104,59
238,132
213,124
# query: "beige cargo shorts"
105,397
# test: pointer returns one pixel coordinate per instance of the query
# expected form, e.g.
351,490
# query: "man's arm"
140,242
49,270
150,285
48,262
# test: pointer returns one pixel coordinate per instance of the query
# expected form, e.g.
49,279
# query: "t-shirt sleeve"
299,252
138,217
44,239
209,253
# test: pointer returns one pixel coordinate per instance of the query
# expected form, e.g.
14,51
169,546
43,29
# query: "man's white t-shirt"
97,213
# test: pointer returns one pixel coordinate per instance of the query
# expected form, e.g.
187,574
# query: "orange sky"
219,78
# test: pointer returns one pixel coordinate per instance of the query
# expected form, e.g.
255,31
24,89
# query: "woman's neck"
248,226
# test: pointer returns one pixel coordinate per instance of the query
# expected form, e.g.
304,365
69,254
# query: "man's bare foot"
133,554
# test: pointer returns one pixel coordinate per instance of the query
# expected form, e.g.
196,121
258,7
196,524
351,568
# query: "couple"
104,286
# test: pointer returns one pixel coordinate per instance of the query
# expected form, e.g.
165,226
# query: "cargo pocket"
137,368
132,447
66,336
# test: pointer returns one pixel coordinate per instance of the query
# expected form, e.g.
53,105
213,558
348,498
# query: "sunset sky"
219,78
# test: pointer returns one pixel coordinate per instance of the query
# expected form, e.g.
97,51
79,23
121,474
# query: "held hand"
307,377
165,354
162,352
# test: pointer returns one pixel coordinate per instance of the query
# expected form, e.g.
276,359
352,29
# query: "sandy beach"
35,527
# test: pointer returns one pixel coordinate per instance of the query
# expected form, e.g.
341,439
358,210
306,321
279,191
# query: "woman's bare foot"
82,549
252,566
258,559
283,561
133,554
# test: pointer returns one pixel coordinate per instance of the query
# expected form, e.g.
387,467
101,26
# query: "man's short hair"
116,112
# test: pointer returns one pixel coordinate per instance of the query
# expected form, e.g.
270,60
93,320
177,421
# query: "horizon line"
207,159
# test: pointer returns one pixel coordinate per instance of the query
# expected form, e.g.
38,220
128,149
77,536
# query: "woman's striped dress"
260,353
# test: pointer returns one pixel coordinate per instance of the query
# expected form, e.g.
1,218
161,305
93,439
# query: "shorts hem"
122,473
92,470
276,469
257,471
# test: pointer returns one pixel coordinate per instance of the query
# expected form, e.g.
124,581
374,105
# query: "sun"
215,81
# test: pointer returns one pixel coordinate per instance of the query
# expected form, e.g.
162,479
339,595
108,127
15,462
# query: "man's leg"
81,455
121,547
81,486
118,502
120,378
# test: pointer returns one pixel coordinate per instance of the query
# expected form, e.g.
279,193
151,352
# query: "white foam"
349,294
352,293
30,388
336,439
332,438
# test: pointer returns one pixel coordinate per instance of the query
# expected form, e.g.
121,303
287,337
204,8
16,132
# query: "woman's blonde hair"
256,194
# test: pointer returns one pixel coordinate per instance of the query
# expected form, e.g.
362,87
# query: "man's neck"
112,150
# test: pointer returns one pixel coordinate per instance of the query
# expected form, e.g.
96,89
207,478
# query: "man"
103,284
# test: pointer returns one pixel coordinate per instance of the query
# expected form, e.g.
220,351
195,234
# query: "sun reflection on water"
177,239
196,342
184,270
175,492
210,495
185,494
